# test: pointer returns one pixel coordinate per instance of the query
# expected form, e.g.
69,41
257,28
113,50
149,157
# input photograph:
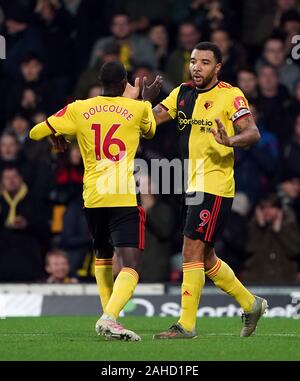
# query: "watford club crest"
208,104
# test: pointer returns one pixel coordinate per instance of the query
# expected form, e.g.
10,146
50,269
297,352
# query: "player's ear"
218,68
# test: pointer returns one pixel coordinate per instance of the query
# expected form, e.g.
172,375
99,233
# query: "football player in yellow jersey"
108,129
212,119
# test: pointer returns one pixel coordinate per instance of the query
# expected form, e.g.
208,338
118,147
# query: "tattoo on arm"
157,109
246,132
243,124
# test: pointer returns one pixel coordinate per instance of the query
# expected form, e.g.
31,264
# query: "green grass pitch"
74,338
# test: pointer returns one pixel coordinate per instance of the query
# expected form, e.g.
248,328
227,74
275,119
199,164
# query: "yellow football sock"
223,277
124,287
192,285
105,280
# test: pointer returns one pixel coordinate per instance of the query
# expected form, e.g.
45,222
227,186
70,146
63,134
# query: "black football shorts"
206,220
117,226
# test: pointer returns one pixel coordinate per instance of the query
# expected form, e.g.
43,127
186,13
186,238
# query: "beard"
206,81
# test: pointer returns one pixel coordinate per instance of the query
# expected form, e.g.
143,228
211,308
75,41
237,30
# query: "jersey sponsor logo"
239,102
208,104
240,113
183,121
61,112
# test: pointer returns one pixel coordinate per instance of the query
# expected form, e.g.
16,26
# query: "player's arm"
167,109
56,126
43,130
246,133
161,114
40,131
148,124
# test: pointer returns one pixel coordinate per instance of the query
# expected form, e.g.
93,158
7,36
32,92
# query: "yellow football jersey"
108,131
210,164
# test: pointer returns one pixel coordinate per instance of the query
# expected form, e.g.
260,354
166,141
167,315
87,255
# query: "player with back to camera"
108,129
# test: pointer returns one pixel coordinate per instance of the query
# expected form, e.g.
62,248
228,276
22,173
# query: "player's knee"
104,252
193,250
131,257
133,262
210,258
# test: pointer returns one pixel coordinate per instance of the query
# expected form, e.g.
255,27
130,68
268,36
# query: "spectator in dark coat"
290,161
23,231
273,244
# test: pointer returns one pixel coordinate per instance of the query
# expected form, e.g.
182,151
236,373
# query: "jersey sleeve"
238,106
64,121
170,103
148,124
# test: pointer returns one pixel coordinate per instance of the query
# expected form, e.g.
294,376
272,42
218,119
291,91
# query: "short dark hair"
248,69
112,73
212,47
56,252
272,199
12,167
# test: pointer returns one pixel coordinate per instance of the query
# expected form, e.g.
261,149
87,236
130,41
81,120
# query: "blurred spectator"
275,55
143,16
75,238
90,76
12,155
22,230
159,227
290,26
68,177
177,69
294,106
21,38
273,244
247,82
289,193
255,167
33,151
290,161
142,71
206,14
57,266
20,126
273,96
33,89
233,55
159,37
57,25
261,17
232,244
134,49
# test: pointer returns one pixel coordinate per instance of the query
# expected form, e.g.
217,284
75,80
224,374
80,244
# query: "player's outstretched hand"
132,91
149,93
221,134
59,143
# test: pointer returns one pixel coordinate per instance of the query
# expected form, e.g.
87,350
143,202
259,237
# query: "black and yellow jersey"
210,164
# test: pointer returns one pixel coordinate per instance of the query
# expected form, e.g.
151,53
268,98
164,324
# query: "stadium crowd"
54,50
